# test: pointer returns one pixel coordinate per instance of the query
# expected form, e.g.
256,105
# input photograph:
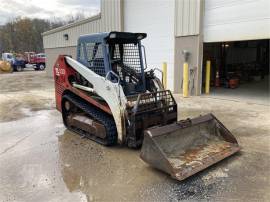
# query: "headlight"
140,37
113,35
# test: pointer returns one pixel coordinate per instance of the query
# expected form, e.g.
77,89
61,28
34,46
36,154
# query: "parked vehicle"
18,64
17,61
37,60
8,57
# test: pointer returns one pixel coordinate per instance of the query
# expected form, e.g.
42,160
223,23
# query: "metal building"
63,40
172,26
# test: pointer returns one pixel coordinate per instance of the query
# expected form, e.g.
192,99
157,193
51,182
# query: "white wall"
235,20
156,18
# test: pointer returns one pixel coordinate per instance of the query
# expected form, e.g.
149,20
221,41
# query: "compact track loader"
107,95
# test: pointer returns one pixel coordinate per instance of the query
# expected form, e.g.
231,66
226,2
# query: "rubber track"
98,115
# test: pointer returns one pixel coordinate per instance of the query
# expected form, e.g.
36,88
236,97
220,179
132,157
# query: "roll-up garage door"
236,20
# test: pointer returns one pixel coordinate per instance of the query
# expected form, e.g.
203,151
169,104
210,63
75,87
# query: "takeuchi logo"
59,71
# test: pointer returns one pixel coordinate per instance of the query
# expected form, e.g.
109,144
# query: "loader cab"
8,57
117,52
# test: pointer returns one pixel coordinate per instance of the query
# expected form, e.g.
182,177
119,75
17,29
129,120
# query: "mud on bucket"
186,147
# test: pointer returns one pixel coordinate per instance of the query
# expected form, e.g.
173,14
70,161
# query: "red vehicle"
37,60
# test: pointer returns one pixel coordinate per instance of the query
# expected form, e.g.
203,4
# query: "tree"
24,34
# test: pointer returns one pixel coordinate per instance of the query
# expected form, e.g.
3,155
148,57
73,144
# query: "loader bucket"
186,147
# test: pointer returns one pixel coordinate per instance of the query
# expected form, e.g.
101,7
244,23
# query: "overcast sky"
46,9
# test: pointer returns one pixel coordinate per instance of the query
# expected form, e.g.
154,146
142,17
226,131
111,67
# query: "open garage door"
236,20
239,70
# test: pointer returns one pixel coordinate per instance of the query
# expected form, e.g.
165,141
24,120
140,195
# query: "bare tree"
24,34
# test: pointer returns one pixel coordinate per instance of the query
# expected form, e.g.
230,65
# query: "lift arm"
111,92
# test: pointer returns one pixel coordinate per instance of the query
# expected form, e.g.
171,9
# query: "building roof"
74,24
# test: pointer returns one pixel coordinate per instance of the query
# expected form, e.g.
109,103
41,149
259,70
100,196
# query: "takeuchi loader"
108,96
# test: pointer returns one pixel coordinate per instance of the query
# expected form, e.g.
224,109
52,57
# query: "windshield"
125,61
9,56
128,54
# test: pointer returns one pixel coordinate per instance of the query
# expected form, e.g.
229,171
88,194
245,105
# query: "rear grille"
59,89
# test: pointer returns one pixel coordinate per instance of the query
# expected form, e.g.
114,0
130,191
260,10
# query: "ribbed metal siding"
111,15
109,20
52,55
187,17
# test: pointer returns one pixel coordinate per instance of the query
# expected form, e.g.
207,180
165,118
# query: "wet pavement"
42,161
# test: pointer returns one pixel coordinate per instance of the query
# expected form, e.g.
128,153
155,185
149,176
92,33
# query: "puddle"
96,170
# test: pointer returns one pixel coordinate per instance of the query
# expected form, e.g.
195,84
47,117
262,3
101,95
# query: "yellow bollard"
185,80
164,78
207,76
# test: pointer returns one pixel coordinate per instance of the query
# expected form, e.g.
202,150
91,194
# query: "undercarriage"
88,121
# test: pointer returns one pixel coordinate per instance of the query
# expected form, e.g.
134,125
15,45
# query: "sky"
46,9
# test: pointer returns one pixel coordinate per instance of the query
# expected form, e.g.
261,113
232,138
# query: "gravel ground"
42,161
